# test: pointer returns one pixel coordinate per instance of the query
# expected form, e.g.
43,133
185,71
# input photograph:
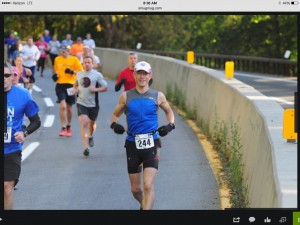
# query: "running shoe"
63,132
91,141
69,133
86,152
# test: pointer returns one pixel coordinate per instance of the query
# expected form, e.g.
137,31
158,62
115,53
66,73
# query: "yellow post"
229,69
190,57
289,125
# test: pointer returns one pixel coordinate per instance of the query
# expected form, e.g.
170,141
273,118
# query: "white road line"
270,98
36,88
49,121
29,149
282,101
266,77
48,102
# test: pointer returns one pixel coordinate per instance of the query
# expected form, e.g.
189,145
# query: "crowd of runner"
75,70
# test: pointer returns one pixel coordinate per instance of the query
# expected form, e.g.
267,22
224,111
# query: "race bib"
144,141
7,135
70,91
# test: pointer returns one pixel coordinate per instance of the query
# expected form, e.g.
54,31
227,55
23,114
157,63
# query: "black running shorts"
149,157
61,93
91,112
31,77
12,166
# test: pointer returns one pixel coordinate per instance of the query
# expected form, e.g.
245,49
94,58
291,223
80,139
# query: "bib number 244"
144,141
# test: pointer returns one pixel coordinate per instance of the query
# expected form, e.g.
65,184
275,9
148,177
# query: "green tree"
250,35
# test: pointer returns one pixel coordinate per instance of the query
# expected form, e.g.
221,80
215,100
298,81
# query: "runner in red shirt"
126,75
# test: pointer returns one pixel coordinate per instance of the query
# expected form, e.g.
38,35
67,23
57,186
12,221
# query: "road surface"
56,175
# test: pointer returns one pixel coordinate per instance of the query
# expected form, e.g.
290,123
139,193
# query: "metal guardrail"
262,65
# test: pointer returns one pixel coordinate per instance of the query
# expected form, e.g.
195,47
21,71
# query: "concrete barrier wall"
270,163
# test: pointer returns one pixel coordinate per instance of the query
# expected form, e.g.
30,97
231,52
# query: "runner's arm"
120,81
75,87
101,85
163,103
28,72
119,108
35,123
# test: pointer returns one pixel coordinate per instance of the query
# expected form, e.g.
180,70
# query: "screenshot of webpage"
184,108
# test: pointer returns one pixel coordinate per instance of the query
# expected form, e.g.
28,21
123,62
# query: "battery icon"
294,2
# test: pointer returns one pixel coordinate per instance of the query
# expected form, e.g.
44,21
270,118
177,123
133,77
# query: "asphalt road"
56,175
281,89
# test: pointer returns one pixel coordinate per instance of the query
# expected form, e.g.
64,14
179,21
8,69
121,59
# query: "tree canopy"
249,35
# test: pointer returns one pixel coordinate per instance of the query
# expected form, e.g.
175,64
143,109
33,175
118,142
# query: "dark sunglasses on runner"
7,75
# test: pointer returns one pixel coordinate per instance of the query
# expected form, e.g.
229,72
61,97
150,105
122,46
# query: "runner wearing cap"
15,76
65,67
89,83
126,77
142,142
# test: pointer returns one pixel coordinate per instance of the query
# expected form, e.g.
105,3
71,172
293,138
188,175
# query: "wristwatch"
25,132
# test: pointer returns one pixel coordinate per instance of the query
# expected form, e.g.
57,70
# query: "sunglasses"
7,75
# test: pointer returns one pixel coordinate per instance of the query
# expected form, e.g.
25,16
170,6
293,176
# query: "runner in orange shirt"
77,48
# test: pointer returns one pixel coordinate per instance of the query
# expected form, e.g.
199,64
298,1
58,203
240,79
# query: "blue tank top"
19,102
141,113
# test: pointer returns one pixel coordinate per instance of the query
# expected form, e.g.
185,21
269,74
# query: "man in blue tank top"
143,144
18,102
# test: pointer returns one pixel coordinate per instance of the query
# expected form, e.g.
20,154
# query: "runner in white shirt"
30,54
